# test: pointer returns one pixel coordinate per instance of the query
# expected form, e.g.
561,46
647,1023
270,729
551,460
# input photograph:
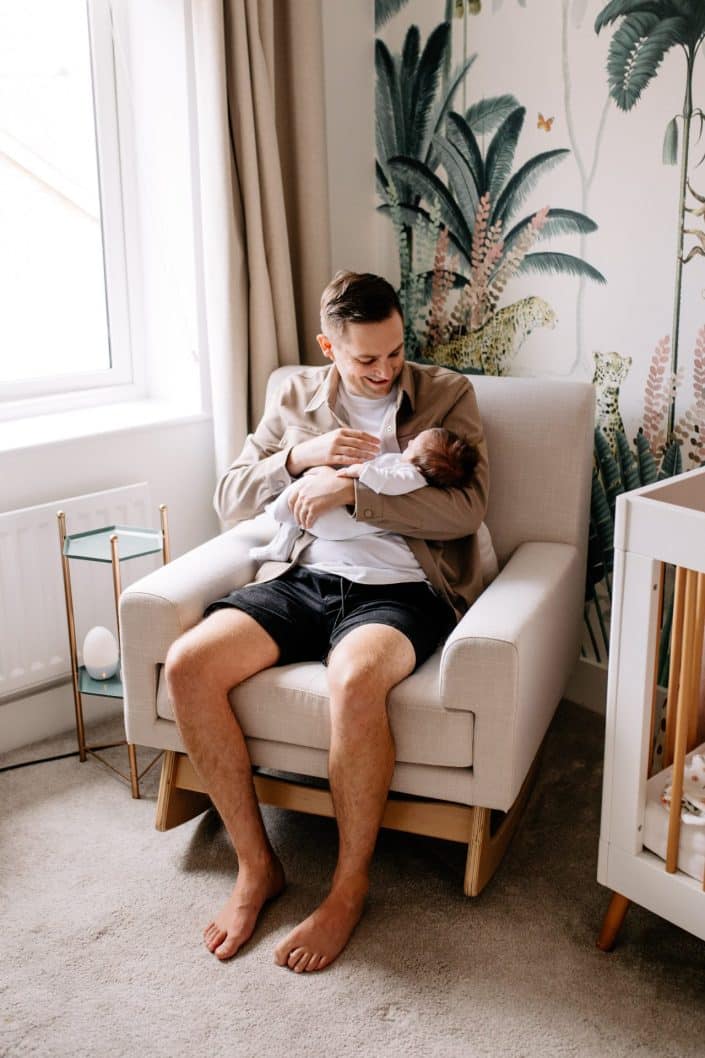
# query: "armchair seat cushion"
289,704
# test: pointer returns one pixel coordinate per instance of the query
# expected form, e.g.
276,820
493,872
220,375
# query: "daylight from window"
52,291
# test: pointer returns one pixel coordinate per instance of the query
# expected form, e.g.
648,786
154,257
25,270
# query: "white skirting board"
50,712
588,686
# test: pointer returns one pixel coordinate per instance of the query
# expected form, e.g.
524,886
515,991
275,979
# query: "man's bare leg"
362,670
201,667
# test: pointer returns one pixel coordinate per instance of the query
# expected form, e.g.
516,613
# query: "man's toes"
213,936
281,952
294,956
302,962
312,963
228,948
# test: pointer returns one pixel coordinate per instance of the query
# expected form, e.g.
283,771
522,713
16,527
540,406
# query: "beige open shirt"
438,524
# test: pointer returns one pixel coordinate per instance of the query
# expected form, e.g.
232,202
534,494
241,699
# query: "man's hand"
317,493
352,471
334,449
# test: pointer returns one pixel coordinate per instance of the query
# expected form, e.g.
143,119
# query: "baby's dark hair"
449,460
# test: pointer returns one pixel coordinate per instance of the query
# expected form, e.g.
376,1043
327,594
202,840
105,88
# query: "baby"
434,457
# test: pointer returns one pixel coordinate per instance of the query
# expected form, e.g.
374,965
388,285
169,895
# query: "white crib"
646,855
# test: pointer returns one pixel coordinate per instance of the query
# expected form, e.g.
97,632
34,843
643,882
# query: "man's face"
368,356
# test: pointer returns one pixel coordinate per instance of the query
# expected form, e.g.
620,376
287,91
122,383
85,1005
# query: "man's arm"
318,492
258,474
267,464
435,513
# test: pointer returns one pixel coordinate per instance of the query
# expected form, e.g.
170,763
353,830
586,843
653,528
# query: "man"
373,608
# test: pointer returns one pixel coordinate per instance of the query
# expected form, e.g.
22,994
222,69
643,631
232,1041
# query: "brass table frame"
84,750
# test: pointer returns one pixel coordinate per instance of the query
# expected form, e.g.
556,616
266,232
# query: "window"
64,326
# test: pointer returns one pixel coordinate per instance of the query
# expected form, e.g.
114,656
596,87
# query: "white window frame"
125,378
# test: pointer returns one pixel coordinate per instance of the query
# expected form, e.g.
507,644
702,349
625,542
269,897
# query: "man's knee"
367,664
356,684
184,667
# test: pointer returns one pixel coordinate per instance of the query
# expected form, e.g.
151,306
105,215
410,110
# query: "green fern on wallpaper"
385,9
647,30
617,470
412,293
412,101
485,184
475,335
657,455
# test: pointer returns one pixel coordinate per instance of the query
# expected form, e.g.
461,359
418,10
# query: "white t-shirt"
379,557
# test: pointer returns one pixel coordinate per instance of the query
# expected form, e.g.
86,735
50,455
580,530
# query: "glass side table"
113,544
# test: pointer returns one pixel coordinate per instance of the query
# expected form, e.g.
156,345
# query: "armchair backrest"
540,438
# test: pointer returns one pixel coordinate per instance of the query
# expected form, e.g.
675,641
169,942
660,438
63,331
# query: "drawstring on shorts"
340,616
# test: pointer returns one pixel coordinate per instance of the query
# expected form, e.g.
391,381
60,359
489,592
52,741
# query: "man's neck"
372,402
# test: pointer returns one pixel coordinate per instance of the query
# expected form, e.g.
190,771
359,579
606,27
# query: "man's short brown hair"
447,459
357,297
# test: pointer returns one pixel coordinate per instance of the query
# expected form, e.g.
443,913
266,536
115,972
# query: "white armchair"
469,723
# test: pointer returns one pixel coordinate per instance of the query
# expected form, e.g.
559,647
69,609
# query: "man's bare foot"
235,923
320,938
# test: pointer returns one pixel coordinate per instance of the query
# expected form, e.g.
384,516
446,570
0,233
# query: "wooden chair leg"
485,849
176,804
479,866
616,912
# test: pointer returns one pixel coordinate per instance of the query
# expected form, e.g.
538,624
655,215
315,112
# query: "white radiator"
34,645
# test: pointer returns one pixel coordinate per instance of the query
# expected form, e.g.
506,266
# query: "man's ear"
326,347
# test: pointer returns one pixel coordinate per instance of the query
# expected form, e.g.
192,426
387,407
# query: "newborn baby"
434,457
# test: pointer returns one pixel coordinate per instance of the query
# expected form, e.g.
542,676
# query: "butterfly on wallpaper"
544,123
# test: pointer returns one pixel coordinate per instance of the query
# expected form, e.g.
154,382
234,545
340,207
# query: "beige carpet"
100,929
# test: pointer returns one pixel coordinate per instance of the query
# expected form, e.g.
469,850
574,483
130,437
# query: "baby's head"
444,458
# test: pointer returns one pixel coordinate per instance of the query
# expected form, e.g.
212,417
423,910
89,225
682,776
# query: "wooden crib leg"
616,913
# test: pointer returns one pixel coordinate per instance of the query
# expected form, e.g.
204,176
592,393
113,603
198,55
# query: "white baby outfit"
388,474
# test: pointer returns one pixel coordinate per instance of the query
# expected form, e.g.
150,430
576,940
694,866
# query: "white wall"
348,35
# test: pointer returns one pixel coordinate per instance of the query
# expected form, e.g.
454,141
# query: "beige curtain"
264,193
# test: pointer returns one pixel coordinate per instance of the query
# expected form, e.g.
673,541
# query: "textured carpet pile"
101,918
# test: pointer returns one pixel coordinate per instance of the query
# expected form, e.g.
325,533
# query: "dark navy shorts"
307,613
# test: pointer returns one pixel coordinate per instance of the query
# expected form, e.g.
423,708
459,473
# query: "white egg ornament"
101,654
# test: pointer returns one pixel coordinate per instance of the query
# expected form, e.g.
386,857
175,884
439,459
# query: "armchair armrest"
509,659
158,608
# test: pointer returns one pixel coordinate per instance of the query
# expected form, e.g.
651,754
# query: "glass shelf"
94,546
111,688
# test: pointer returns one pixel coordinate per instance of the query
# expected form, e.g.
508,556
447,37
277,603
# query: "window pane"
53,319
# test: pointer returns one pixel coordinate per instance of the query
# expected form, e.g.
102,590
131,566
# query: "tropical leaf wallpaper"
541,177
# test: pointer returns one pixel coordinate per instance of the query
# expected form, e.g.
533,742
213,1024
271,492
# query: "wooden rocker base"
182,796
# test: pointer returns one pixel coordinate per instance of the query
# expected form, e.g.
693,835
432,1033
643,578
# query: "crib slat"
686,691
697,662
675,665
654,686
